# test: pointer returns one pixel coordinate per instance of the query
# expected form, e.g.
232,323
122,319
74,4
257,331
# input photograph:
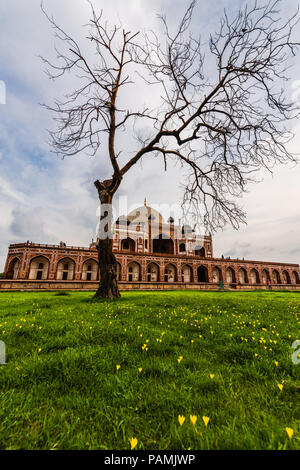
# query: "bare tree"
222,127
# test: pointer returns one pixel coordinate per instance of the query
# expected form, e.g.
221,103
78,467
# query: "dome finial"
145,202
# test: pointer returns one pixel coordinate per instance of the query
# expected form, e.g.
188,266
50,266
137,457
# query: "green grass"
60,388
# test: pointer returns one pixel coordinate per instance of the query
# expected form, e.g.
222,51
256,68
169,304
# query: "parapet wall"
26,285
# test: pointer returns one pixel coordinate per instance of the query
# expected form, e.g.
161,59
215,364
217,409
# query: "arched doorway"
128,244
90,270
265,276
65,269
133,272
39,268
216,275
199,251
230,276
286,277
202,274
152,272
243,278
254,276
276,277
170,273
187,273
163,244
13,269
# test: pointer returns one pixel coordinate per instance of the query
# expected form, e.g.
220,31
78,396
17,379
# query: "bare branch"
223,130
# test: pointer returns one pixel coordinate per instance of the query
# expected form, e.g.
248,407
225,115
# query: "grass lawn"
87,375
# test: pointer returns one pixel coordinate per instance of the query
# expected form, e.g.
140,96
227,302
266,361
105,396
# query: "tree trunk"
108,285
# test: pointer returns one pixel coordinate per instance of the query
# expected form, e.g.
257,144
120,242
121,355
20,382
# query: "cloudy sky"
46,199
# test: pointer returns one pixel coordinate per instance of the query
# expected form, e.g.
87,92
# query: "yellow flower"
181,419
206,420
280,386
140,369
118,367
193,419
212,376
133,442
179,359
290,432
276,363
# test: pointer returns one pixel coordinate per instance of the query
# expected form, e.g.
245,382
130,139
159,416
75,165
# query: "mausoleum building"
151,253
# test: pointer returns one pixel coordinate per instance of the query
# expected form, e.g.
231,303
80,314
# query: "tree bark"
108,284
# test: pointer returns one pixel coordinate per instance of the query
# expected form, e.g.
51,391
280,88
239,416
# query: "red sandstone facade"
151,254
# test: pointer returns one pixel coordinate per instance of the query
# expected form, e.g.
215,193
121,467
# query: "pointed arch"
276,277
243,277
216,275
127,244
90,270
39,268
13,268
65,269
133,272
265,276
286,277
254,276
230,276
170,273
202,273
186,273
152,272
163,244
199,251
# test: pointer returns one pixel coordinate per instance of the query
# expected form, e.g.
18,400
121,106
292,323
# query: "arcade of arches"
154,271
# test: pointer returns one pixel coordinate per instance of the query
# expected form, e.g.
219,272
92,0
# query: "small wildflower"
280,386
290,432
193,419
181,419
206,420
133,442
